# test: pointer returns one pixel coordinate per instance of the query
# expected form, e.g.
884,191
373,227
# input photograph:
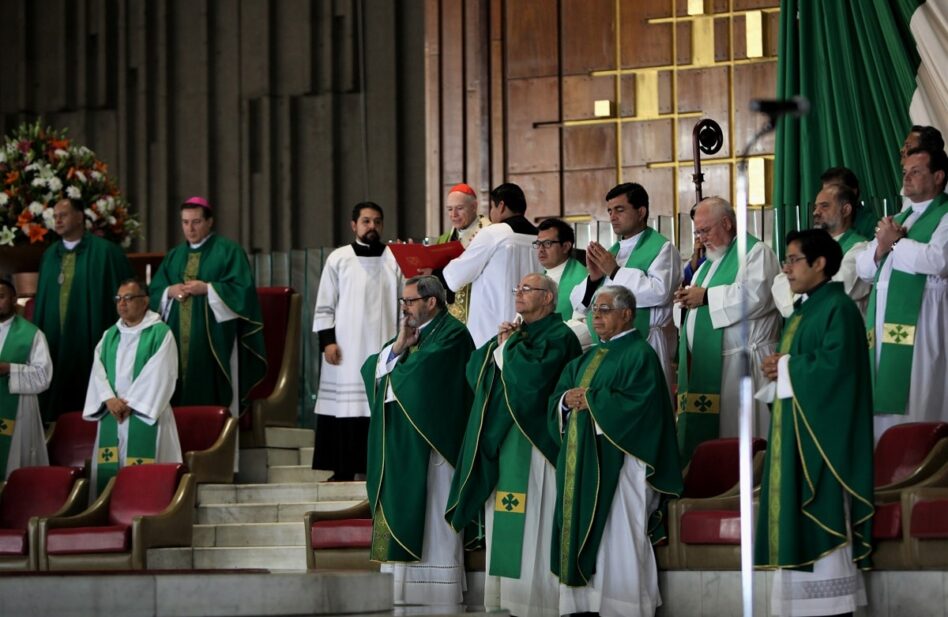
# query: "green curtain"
855,60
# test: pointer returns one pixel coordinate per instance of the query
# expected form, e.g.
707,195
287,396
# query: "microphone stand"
746,423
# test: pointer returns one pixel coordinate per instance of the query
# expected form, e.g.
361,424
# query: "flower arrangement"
39,166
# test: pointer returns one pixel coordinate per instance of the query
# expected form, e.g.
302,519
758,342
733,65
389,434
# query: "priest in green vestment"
508,456
618,462
419,401
554,244
130,388
816,503
78,276
204,290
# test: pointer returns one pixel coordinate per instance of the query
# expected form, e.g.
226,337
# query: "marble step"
282,474
278,493
218,514
249,534
237,557
306,456
280,437
254,463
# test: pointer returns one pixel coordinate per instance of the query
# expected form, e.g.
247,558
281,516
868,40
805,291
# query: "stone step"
249,534
254,462
269,557
282,474
306,456
219,514
216,494
280,437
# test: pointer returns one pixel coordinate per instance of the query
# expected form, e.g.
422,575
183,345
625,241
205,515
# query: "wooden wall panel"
589,147
588,40
532,149
644,44
531,38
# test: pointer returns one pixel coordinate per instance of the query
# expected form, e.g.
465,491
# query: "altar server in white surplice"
908,261
356,312
25,370
134,369
494,263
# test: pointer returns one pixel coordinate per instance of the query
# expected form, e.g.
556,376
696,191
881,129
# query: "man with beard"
78,277
465,224
25,370
834,211
907,318
644,262
711,340
611,415
420,402
356,311
508,456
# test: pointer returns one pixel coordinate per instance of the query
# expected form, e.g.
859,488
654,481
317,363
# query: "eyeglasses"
792,259
128,298
410,301
603,309
526,289
545,243
706,230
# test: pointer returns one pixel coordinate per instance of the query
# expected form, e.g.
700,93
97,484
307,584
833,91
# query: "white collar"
201,243
150,319
71,244
624,242
620,335
919,206
556,271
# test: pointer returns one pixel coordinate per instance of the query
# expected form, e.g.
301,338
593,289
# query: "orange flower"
11,177
102,167
37,232
26,217
59,144
71,173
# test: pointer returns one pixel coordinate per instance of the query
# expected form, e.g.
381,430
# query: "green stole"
646,250
849,239
142,437
508,419
820,442
628,399
16,350
699,382
432,402
204,344
892,376
574,273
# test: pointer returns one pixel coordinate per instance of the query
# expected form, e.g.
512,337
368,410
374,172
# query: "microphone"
794,107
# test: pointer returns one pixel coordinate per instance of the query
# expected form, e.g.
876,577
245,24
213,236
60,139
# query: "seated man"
618,460
25,370
420,402
508,456
815,518
133,375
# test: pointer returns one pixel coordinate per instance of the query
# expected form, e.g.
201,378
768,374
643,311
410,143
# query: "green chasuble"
84,282
820,447
893,374
628,400
432,402
508,419
574,274
16,350
204,344
699,381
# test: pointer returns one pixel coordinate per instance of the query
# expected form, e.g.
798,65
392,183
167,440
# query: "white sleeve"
724,301
386,363
784,385
578,325
576,296
164,307
327,298
150,392
656,287
35,376
783,295
220,309
866,265
469,265
99,389
855,287
929,258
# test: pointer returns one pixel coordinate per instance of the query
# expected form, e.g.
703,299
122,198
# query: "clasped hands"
599,261
575,398
183,291
769,366
119,408
888,232
691,297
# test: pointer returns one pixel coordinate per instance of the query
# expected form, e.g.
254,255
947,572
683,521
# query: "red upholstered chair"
704,525
71,442
908,456
339,540
275,400
31,493
142,507
208,436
